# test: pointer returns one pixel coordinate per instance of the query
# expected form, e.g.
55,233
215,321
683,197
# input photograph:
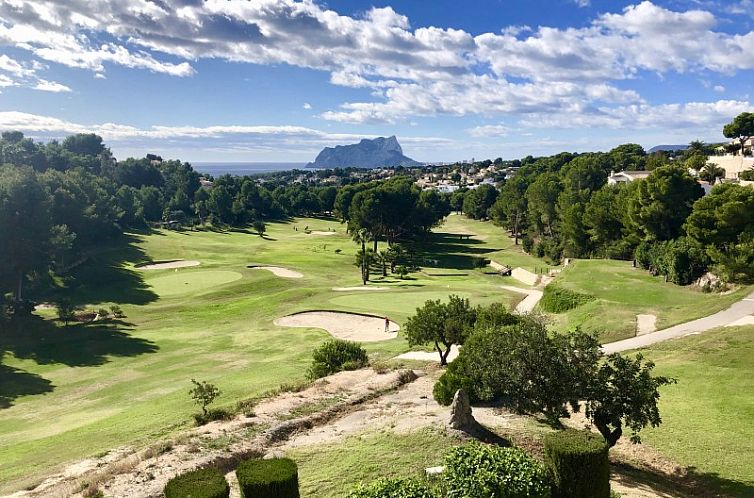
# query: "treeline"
561,206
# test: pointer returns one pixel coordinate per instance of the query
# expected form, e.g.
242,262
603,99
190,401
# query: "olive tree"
441,324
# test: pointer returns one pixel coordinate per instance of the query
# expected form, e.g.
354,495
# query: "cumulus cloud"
486,131
51,86
425,71
218,136
307,105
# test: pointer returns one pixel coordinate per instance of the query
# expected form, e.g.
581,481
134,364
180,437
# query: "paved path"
529,302
722,318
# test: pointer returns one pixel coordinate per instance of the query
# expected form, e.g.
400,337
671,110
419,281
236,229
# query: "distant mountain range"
668,148
377,153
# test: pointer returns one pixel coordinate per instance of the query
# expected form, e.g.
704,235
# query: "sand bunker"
428,356
168,265
349,326
321,232
278,271
359,288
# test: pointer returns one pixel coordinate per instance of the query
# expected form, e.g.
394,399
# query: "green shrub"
450,382
276,478
483,471
578,464
559,300
336,355
480,262
204,483
527,244
392,488
212,415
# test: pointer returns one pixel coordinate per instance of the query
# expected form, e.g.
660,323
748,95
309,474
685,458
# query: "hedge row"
557,299
578,464
203,483
277,478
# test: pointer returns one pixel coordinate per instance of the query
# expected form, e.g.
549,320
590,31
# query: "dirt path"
349,326
646,324
528,304
722,318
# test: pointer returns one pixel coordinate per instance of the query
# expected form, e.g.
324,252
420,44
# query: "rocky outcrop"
377,153
460,412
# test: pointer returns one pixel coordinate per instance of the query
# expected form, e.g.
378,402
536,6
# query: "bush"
392,488
681,260
336,355
482,471
212,415
559,300
450,382
527,244
578,464
480,262
204,483
276,478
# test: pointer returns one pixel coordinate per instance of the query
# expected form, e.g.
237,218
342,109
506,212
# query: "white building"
627,176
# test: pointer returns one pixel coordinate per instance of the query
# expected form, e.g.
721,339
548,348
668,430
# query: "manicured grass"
622,292
332,470
708,417
81,390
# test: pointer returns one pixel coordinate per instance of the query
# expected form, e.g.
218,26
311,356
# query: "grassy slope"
127,382
708,417
623,292
332,470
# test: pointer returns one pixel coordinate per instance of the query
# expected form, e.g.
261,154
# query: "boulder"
460,412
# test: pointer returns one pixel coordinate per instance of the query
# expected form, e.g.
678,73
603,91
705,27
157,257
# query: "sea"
243,169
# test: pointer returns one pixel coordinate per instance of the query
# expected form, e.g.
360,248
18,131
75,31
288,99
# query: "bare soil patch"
321,233
168,265
646,324
349,326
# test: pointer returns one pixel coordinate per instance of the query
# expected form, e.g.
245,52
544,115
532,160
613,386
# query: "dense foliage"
336,355
393,488
532,370
203,483
556,299
276,478
485,471
441,324
578,464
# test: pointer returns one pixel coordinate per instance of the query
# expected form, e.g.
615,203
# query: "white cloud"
583,3
486,131
411,72
307,105
719,88
51,86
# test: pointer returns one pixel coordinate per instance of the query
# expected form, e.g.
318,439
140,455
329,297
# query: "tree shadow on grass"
692,484
104,278
15,383
77,345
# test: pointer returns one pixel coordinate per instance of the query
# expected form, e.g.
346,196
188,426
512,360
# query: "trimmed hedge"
203,483
578,464
482,471
276,478
336,355
559,300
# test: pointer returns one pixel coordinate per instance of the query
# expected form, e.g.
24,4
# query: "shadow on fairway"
77,345
105,279
450,251
15,383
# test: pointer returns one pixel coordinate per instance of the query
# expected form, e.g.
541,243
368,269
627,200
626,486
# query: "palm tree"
362,236
711,172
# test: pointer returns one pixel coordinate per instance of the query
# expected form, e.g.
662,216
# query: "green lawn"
332,470
623,292
708,417
77,391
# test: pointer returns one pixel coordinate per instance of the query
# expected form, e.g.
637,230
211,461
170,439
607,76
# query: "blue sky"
276,80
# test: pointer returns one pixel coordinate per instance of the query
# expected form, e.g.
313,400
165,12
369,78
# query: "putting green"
187,282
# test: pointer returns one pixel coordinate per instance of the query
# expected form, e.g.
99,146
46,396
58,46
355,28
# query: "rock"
380,152
460,412
273,455
709,280
434,471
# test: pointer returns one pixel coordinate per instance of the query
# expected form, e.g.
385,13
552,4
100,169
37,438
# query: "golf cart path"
529,302
737,311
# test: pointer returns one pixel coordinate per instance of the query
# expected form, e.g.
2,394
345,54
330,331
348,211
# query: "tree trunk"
375,244
384,268
515,230
20,286
611,437
443,357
